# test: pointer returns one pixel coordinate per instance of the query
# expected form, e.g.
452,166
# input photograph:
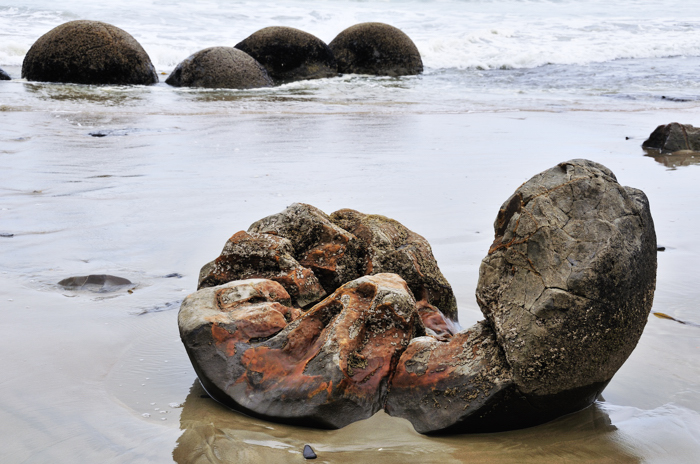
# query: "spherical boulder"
4,76
220,68
88,52
378,49
289,54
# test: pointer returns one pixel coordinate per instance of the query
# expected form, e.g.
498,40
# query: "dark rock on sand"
392,247
327,368
255,255
289,54
220,68
376,48
88,52
308,452
4,76
674,137
334,255
95,283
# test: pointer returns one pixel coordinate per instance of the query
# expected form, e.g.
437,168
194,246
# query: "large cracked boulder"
88,52
289,54
220,68
376,48
674,137
566,289
326,368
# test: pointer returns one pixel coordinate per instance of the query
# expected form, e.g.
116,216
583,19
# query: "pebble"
309,452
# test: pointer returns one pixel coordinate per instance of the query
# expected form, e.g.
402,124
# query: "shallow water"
103,377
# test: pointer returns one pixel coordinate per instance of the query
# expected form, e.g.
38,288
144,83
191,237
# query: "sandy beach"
103,377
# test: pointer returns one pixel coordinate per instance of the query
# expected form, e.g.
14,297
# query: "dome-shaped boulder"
4,76
289,54
220,68
88,52
378,49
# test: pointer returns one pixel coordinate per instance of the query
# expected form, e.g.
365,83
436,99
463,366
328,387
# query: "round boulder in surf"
289,54
220,68
378,49
88,52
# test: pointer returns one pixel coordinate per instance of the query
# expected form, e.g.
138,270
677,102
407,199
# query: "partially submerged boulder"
220,68
674,137
4,76
376,48
88,52
95,283
327,368
289,54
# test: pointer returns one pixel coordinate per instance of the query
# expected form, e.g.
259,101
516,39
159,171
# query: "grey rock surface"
569,280
376,48
674,137
392,247
88,52
289,54
220,68
334,255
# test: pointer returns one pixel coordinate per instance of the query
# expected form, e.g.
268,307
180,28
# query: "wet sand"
103,377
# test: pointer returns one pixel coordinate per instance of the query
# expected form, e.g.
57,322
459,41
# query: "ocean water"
510,88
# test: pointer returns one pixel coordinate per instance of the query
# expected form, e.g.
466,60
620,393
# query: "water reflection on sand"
676,159
214,434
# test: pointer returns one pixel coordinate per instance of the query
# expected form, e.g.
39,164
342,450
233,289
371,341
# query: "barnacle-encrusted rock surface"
376,48
566,289
326,368
669,138
220,68
289,54
88,52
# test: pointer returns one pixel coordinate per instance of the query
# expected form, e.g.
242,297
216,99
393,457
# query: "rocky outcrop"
220,68
376,48
566,289
88,52
289,54
4,76
253,255
392,247
327,368
674,137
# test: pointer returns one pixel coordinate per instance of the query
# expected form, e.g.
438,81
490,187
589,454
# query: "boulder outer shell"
88,52
673,137
569,280
289,54
377,49
252,255
394,248
220,68
327,368
334,255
